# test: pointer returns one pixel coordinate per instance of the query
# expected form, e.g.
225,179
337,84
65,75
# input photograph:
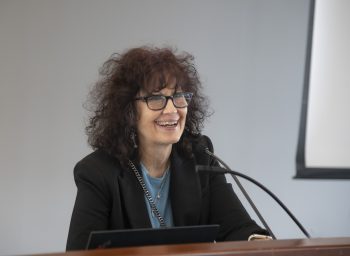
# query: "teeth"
167,123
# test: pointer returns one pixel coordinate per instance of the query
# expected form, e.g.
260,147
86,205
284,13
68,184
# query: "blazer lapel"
134,201
185,191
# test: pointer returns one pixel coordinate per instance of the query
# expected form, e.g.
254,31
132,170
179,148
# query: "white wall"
250,55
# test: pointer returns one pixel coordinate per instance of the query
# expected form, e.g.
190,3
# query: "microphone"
201,148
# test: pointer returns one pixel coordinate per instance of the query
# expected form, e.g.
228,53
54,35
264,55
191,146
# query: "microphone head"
200,148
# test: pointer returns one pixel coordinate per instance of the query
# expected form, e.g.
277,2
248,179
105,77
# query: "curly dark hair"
122,76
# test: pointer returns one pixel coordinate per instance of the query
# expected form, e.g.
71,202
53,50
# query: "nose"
169,107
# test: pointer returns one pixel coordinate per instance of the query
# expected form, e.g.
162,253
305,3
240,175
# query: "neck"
156,159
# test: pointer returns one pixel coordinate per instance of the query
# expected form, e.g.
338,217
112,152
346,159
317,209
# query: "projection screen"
324,136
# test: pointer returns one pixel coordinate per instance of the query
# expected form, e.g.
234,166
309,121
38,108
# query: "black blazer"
110,197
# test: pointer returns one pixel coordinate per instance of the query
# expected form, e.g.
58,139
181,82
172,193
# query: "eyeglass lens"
180,100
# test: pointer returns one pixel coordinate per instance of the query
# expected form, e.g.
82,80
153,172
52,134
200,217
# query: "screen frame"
304,172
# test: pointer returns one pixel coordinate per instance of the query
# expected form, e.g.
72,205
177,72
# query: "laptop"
152,236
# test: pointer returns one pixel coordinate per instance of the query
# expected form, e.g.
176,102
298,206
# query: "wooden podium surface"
305,247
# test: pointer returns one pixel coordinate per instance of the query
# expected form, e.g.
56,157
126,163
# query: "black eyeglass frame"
187,95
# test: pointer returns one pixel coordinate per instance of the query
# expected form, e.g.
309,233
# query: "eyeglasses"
158,102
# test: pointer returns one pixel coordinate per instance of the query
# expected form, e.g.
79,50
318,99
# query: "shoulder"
98,158
97,165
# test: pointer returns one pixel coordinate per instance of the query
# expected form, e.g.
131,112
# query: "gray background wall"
250,55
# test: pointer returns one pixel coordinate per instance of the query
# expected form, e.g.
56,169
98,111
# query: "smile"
167,123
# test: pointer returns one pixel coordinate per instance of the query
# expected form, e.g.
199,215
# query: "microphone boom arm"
219,169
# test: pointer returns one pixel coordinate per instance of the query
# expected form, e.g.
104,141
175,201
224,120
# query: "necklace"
162,185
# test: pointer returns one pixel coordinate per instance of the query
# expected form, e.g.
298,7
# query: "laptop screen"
151,236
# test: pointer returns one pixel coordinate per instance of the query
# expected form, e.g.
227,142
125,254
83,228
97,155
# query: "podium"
305,247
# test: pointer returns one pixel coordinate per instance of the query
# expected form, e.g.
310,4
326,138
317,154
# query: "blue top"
159,190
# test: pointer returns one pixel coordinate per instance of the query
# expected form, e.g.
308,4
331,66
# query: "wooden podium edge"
287,247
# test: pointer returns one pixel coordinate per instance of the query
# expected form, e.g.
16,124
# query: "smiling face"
162,127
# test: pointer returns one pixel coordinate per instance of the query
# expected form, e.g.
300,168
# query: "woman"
148,114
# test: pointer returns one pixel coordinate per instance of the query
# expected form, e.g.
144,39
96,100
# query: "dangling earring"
133,138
